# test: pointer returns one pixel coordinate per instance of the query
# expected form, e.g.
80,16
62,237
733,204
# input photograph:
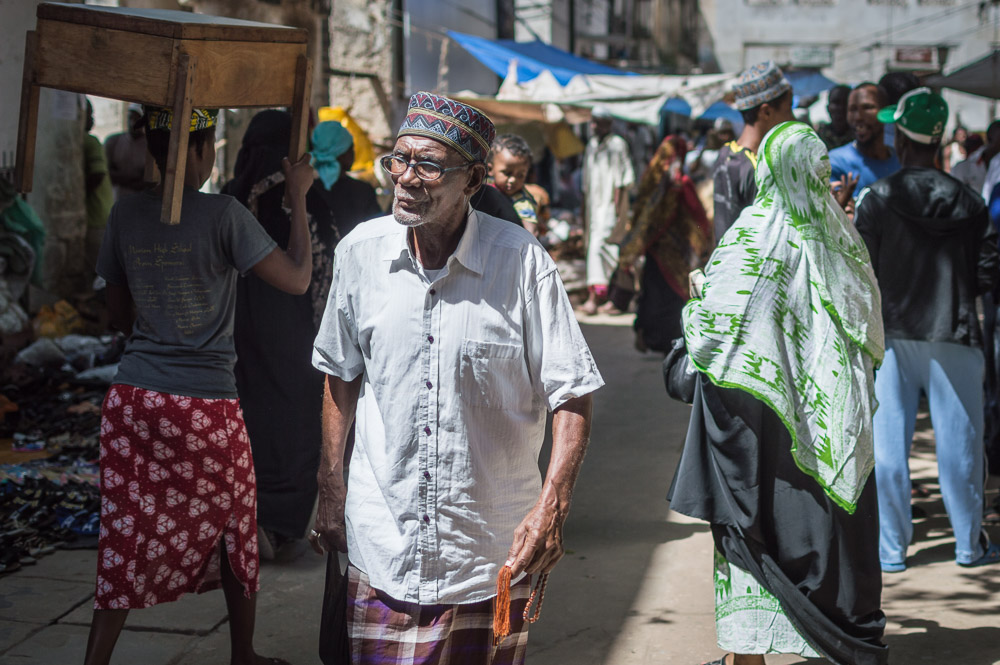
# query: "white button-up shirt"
458,375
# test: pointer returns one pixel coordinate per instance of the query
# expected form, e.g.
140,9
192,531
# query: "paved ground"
634,588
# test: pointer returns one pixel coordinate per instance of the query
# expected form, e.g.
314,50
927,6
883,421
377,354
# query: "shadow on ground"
619,514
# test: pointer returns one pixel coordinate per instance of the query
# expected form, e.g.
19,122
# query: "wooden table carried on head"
164,58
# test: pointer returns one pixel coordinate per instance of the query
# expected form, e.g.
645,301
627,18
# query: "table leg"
300,109
27,127
173,179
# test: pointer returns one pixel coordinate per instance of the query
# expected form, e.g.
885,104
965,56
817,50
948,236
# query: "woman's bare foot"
590,307
264,660
609,309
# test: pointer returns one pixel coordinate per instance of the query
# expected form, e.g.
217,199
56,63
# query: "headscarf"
791,313
259,184
329,141
669,221
265,144
161,117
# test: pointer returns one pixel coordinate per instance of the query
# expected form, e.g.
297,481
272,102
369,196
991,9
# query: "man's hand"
330,533
538,541
340,401
299,176
843,189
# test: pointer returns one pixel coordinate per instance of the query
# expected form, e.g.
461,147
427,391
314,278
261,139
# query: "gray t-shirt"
183,281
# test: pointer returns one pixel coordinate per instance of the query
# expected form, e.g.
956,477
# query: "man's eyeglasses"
426,171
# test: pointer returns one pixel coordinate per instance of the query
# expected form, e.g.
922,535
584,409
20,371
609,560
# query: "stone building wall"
363,36
58,194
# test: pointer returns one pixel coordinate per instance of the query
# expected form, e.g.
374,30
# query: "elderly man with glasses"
448,334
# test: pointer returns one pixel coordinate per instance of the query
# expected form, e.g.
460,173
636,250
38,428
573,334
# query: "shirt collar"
468,252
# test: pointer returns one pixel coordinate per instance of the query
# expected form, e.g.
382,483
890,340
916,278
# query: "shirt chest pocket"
493,376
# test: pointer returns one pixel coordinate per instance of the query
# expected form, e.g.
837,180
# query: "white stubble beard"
409,219
405,218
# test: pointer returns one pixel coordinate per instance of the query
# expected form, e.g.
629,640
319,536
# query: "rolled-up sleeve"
559,360
336,350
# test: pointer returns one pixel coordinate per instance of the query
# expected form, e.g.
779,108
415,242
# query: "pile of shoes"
50,411
44,505
53,502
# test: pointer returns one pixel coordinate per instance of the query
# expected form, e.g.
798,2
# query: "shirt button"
430,338
427,475
429,385
433,292
427,431
427,519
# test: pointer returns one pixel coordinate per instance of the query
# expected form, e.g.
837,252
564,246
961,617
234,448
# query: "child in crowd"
509,163
179,501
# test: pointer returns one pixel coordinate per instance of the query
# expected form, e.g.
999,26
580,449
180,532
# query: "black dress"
281,393
769,518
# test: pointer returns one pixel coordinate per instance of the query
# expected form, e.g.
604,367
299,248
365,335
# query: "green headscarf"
791,313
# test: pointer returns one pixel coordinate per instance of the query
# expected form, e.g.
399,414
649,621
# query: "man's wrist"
330,472
557,498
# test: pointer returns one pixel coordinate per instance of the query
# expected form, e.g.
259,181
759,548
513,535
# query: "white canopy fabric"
981,77
632,98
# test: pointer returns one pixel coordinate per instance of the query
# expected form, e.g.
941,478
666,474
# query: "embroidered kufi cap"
457,125
762,83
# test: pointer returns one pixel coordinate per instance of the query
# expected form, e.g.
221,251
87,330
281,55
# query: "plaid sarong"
384,631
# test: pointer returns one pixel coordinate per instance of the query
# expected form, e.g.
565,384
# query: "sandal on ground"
992,555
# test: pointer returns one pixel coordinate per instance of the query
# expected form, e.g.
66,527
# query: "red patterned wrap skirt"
177,479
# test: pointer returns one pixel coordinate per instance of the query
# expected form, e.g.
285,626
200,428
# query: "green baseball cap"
920,114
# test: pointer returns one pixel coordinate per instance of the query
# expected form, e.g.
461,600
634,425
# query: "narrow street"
634,588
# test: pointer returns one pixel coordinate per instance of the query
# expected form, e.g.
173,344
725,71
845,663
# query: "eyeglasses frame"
413,165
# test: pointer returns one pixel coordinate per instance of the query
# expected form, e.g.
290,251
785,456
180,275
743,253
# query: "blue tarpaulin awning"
532,58
723,110
808,82
717,110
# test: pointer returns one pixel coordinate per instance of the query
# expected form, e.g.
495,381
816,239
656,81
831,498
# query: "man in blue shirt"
867,158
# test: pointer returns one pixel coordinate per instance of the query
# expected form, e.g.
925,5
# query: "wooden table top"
171,23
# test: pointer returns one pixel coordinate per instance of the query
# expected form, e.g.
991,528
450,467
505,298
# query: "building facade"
853,41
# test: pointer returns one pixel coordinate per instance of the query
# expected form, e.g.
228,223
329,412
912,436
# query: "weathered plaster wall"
362,41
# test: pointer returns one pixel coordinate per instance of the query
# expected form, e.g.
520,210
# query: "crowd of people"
297,361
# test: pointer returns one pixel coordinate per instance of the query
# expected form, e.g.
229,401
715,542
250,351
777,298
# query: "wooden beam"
173,179
27,126
300,109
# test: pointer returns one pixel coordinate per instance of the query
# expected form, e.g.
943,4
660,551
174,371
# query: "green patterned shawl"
791,313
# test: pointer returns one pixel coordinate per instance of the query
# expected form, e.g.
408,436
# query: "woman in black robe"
280,391
781,345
